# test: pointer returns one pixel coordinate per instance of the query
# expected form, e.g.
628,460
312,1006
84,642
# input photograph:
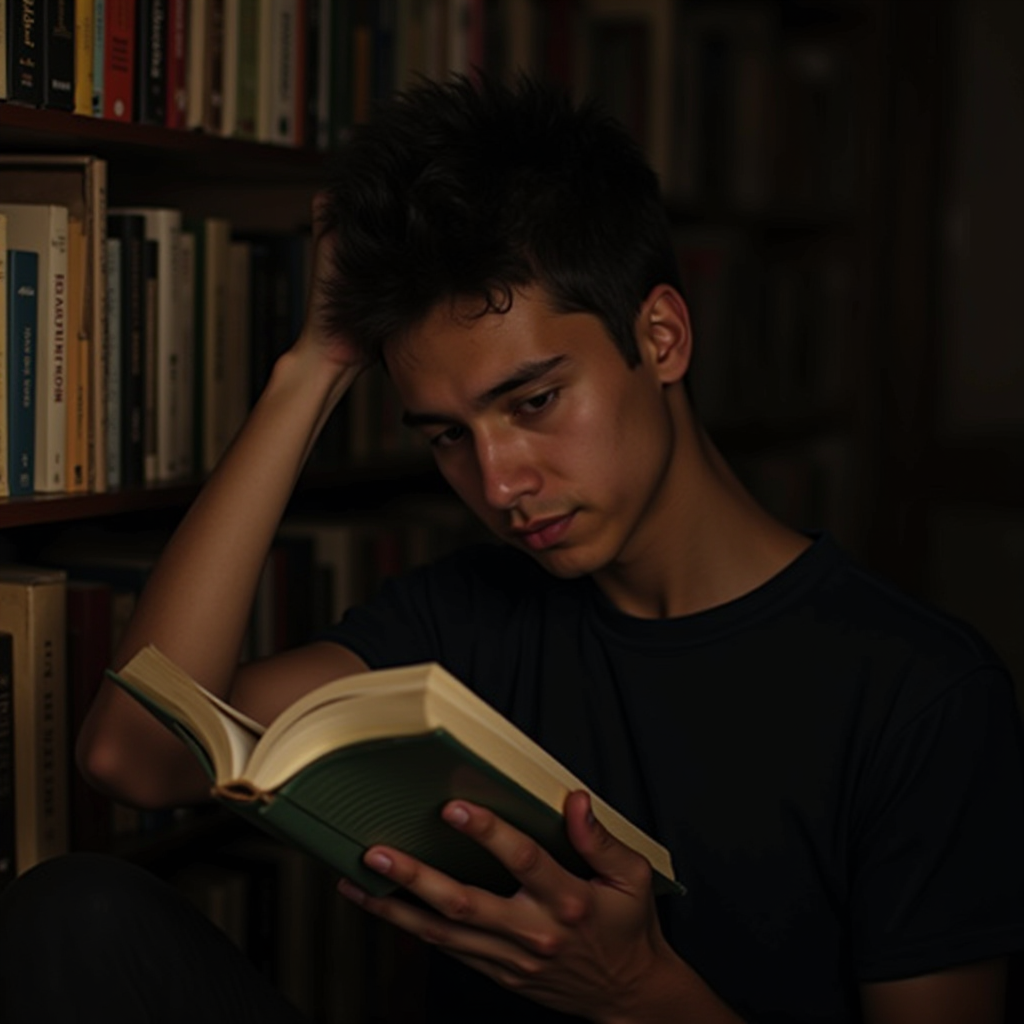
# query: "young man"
836,770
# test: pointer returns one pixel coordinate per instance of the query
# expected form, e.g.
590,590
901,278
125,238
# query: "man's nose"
508,471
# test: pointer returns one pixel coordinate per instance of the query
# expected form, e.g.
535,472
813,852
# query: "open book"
372,758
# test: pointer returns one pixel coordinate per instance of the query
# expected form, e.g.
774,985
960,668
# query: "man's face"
541,428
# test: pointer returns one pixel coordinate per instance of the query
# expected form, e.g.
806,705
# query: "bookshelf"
804,149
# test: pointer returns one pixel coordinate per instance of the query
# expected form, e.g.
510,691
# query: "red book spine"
119,60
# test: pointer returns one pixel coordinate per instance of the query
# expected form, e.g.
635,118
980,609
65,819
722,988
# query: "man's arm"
968,994
196,604
594,947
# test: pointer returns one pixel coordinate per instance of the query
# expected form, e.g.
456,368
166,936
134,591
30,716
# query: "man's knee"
84,896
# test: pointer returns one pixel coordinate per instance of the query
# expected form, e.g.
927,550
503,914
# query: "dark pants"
92,938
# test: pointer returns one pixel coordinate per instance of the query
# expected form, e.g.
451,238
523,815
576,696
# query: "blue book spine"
23,319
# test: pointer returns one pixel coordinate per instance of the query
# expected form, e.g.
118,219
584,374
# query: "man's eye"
537,403
448,437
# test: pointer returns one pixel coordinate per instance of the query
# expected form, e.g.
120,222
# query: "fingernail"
351,891
379,862
456,815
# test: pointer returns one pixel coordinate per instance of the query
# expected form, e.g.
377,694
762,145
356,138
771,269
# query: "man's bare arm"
969,994
197,602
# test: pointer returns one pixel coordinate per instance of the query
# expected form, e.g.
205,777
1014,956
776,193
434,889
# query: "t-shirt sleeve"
938,859
433,613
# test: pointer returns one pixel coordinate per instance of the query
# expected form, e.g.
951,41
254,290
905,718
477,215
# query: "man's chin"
564,563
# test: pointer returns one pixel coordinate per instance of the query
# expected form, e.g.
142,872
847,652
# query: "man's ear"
664,334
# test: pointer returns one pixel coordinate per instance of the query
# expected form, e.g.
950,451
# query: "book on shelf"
231,40
112,407
151,61
33,610
176,100
43,228
99,38
78,182
372,758
8,836
130,231
5,486
59,54
196,65
119,57
280,78
25,53
22,319
186,293
241,92
84,51
212,109
150,260
3,49
78,350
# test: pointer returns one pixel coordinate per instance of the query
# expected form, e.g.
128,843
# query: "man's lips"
543,533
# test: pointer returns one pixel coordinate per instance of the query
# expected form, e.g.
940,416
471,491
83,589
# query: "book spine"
186,292
3,50
196,64
340,104
5,486
59,53
176,101
8,837
131,232
246,86
84,46
78,353
25,52
33,609
151,62
23,312
213,76
150,268
229,67
279,122
99,38
114,346
51,358
119,60
97,310
320,44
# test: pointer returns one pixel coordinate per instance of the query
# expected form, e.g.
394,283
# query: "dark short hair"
467,190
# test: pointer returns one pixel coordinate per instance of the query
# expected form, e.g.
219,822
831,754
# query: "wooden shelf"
205,157
343,484
37,509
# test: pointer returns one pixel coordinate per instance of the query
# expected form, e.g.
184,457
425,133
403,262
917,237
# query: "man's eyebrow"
525,373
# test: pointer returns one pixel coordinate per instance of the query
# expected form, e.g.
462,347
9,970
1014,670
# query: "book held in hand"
372,758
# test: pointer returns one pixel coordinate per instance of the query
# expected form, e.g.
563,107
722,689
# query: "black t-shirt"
836,769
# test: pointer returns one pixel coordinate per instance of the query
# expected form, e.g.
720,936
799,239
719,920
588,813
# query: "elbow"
112,767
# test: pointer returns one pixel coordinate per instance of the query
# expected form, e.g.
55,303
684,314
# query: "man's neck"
713,544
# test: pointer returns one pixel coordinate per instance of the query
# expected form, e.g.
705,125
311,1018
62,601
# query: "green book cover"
417,739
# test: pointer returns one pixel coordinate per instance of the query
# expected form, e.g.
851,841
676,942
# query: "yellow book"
84,46
372,758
